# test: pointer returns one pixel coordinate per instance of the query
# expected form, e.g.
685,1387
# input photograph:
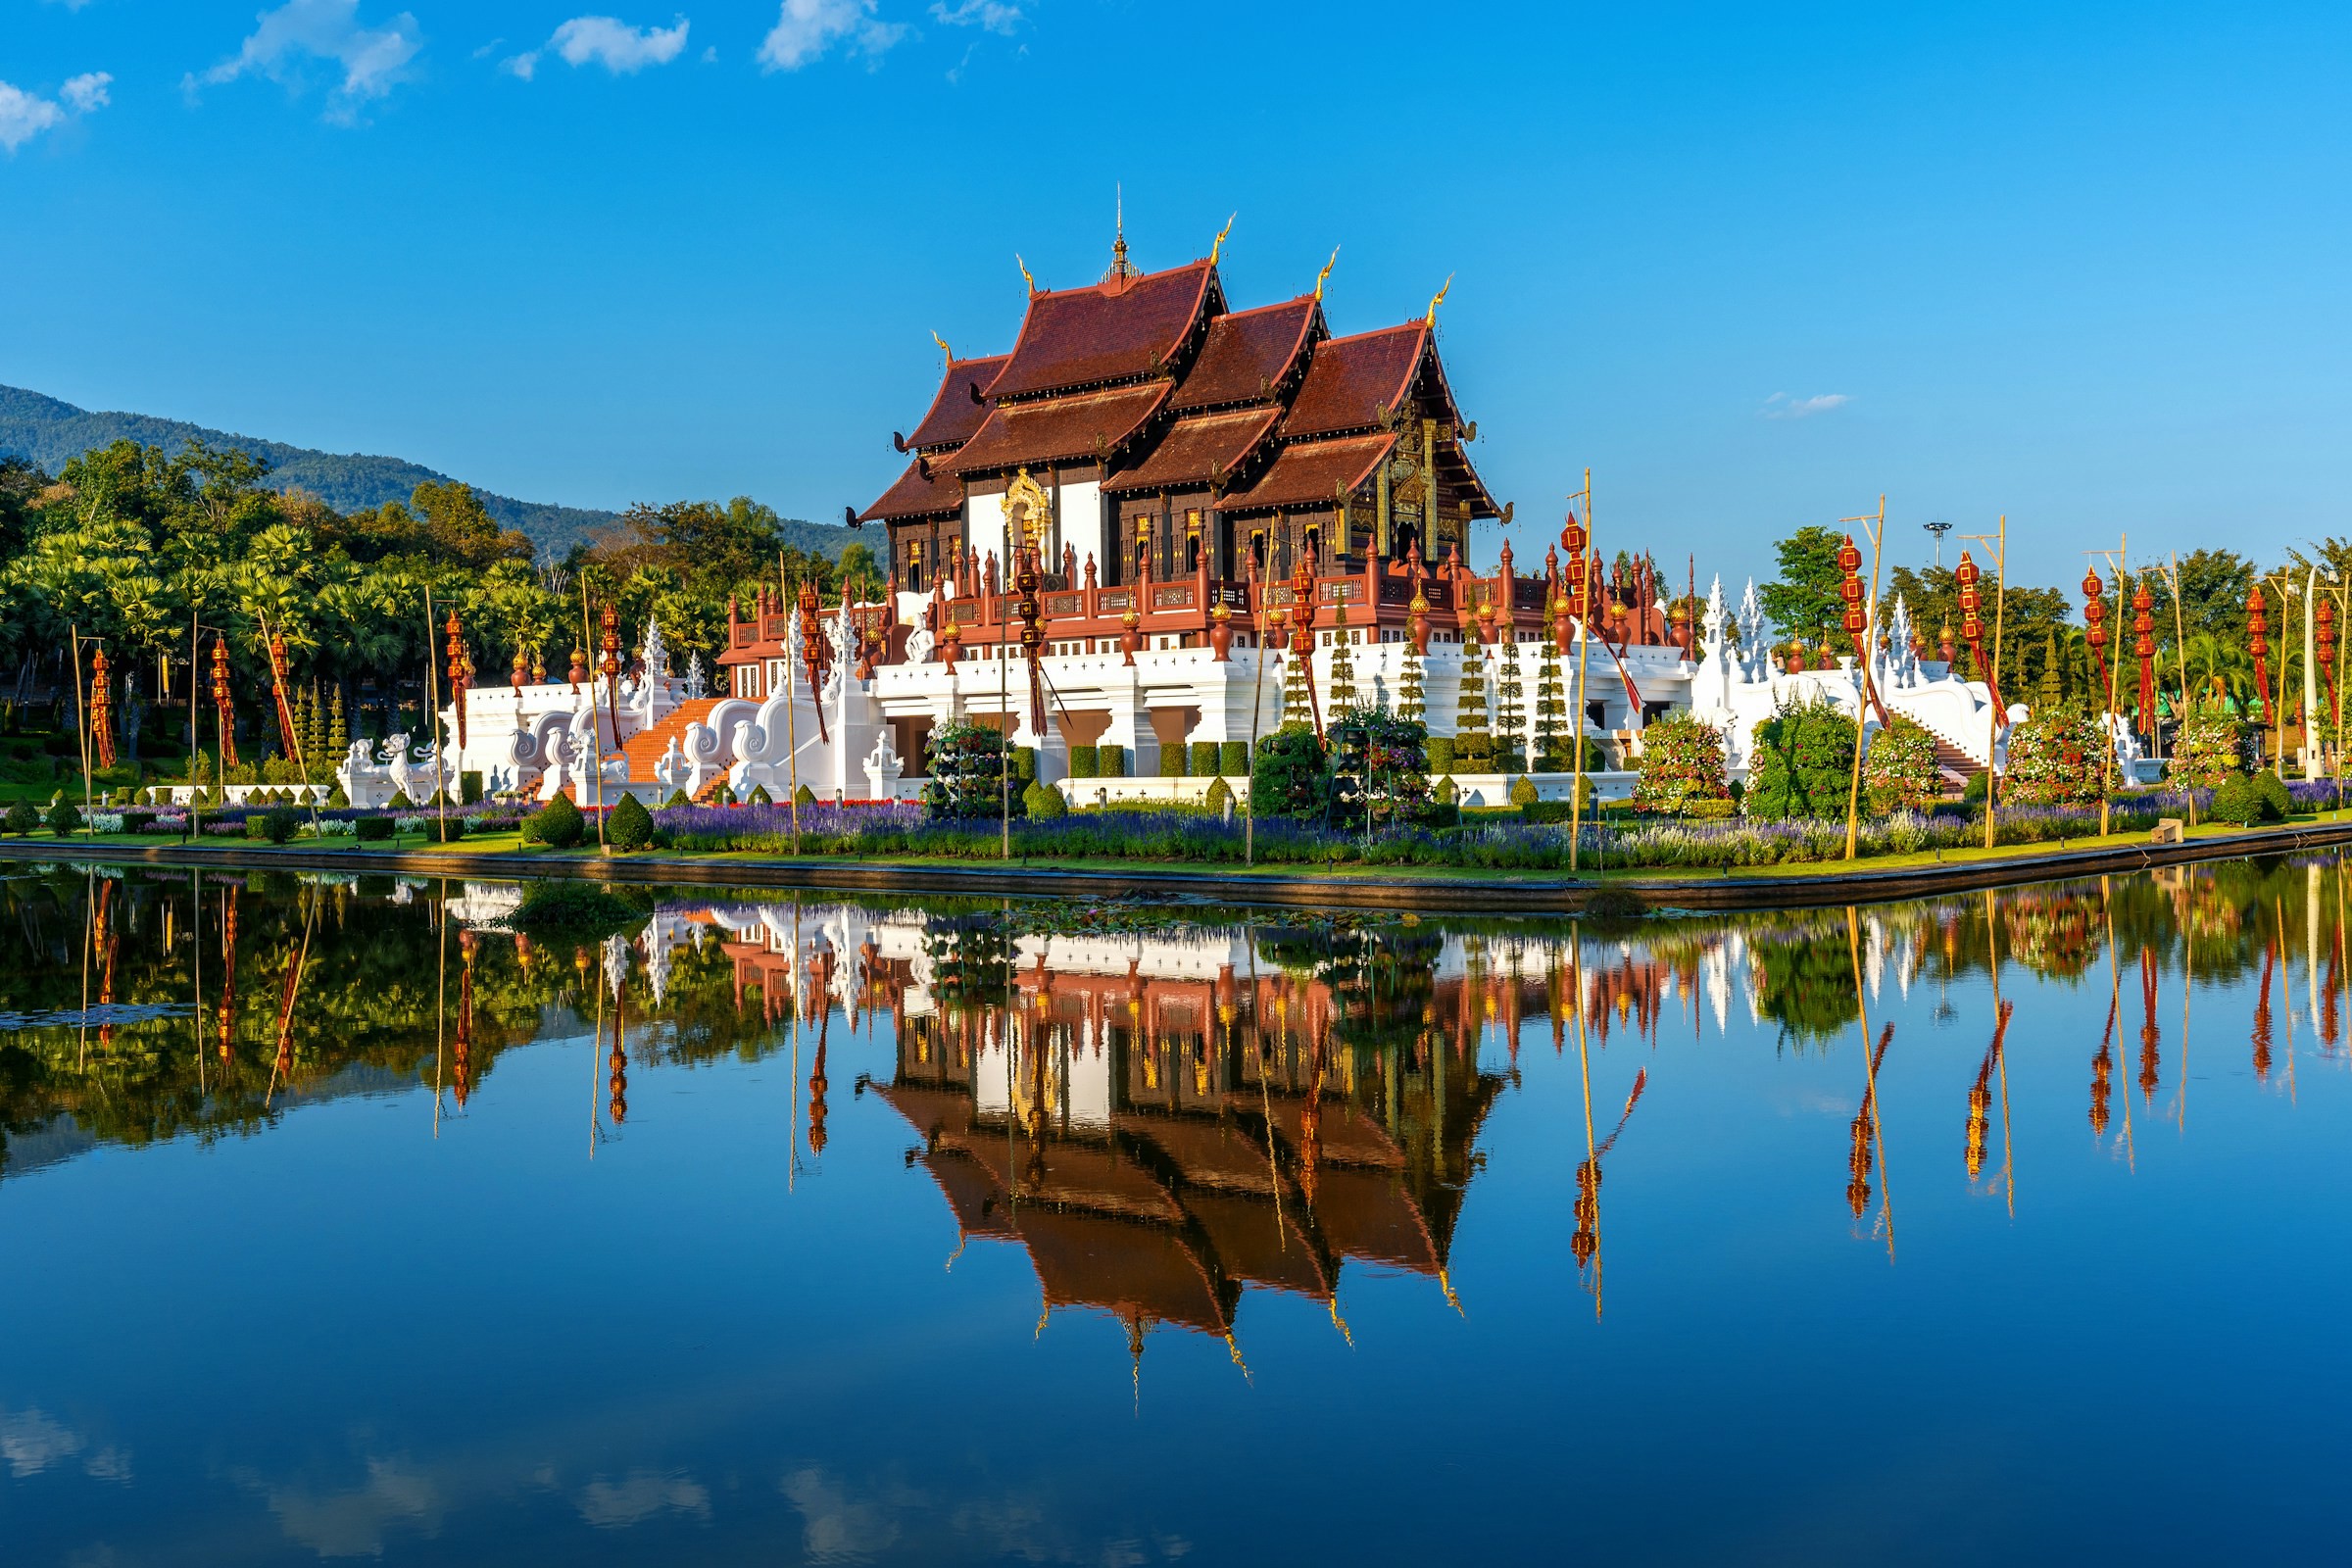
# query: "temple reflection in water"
1162,1121
1160,1113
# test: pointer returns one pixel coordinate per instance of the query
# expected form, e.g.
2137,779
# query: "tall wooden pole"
1584,657
295,736
1258,700
1004,714
1992,685
2115,666
432,718
81,726
596,729
195,750
792,717
2181,651
1869,650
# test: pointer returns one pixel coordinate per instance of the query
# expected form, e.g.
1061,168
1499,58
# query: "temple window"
1192,541
912,576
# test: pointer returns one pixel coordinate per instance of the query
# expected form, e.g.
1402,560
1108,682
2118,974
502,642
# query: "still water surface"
339,1223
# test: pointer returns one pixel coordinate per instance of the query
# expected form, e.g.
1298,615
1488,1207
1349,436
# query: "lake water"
339,1223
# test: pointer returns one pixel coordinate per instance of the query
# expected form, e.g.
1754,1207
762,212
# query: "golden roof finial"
1024,267
1324,276
1438,298
942,347
1219,244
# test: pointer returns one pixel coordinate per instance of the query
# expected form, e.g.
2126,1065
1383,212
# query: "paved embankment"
1465,893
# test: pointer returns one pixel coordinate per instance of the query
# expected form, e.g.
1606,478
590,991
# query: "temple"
1156,529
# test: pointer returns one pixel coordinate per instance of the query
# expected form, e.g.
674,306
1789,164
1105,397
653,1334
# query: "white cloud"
1780,406
25,116
88,91
374,59
607,42
994,14
805,29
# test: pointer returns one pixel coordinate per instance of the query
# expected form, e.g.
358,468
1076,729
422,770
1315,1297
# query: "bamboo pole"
1862,700
432,722
1257,703
295,735
2115,666
2180,651
81,725
792,703
195,829
1584,657
1992,681
1004,714
595,736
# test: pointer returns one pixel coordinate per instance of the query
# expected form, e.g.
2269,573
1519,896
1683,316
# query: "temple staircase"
644,748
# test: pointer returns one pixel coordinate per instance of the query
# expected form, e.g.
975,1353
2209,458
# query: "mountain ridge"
50,431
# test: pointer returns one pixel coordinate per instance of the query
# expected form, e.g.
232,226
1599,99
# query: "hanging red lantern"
221,706
2143,628
2094,615
2258,624
461,674
102,729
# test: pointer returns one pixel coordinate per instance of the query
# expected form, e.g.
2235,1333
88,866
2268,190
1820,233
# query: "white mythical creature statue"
1755,636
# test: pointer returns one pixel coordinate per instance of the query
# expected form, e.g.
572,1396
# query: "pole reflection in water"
1191,1134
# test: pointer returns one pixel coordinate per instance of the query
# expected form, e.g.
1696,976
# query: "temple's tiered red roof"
1248,355
961,404
917,493
1199,449
1149,379
1354,380
1079,427
1313,472
1115,330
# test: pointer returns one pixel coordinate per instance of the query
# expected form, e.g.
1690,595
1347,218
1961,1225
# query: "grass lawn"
509,842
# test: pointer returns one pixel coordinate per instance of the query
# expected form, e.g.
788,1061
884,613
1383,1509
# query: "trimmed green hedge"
1172,762
1113,761
1204,758
1233,759
1084,761
1439,750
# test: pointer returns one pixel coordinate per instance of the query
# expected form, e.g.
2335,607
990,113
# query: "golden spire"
1324,275
1024,267
1219,244
943,343
1435,300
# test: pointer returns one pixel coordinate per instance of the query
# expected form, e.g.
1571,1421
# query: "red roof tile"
955,413
1312,472
1352,380
917,496
1109,331
1247,352
1065,429
1199,449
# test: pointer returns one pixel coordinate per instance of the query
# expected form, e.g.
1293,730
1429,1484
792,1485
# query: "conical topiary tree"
1511,713
338,732
1342,666
632,825
1473,741
1412,699
2052,692
1552,712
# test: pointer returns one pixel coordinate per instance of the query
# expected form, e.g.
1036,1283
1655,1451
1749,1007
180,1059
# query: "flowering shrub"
2207,753
1900,771
1379,767
2054,760
1682,763
970,775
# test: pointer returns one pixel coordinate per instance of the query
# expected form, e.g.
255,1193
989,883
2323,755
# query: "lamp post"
2282,583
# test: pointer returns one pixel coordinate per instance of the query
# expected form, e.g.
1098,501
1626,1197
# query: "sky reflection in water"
344,1232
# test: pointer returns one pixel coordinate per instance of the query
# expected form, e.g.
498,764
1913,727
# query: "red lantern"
2143,627
2257,624
221,704
102,729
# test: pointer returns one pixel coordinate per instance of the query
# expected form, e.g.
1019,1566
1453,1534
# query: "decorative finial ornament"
1024,267
1324,276
1217,245
1435,300
943,344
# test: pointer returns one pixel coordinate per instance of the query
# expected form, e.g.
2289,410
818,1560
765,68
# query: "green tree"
1803,600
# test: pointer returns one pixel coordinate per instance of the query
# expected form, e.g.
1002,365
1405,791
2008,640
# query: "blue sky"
1754,266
